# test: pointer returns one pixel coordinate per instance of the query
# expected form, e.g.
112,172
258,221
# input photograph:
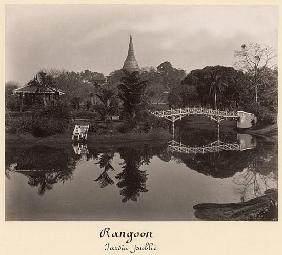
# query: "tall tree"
108,103
218,82
77,84
212,85
44,79
254,58
114,77
161,81
131,92
170,76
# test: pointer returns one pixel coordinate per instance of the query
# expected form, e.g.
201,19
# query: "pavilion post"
21,106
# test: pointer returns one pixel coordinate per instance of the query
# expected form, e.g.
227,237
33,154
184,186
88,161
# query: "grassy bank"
154,135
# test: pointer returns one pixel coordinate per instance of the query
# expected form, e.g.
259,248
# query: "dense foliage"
226,88
11,101
161,81
131,93
108,103
253,59
251,87
212,86
43,121
78,84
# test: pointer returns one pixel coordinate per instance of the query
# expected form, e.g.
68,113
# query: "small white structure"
80,132
246,119
115,117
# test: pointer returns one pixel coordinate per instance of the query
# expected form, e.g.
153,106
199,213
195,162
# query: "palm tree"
218,83
108,103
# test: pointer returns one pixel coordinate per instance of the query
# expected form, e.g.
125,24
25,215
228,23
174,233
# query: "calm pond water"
153,181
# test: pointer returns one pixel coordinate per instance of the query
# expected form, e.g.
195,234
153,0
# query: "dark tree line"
250,86
221,87
212,86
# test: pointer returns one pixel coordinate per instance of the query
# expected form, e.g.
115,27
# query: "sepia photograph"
141,112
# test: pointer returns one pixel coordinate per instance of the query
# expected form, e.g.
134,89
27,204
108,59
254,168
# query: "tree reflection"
42,165
132,180
253,184
45,180
105,161
164,155
262,159
260,174
256,184
221,164
218,164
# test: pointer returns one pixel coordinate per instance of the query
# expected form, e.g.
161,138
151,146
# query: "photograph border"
170,237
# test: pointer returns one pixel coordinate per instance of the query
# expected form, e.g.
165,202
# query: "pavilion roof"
35,88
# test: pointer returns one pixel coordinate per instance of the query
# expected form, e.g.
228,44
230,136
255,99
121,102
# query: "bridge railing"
178,147
195,111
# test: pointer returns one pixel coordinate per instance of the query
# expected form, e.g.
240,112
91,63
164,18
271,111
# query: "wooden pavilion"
37,91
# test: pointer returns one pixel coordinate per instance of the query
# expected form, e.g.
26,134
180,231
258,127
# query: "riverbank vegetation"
251,86
119,103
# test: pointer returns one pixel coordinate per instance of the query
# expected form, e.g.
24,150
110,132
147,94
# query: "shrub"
85,114
264,115
60,110
12,103
42,122
155,122
43,127
125,127
17,125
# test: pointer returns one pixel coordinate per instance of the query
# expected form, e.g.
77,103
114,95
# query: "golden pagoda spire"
130,64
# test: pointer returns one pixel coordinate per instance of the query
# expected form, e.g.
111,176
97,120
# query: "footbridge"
244,119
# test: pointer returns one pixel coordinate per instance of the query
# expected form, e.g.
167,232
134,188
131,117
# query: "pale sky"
95,37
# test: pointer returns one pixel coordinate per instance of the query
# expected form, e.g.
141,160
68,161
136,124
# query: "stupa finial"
130,64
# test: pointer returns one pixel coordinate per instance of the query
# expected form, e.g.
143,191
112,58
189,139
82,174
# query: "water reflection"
45,166
132,180
247,164
80,148
244,142
104,163
42,165
219,155
82,153
255,182
260,174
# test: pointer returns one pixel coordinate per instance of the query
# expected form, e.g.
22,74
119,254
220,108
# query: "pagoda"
130,64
